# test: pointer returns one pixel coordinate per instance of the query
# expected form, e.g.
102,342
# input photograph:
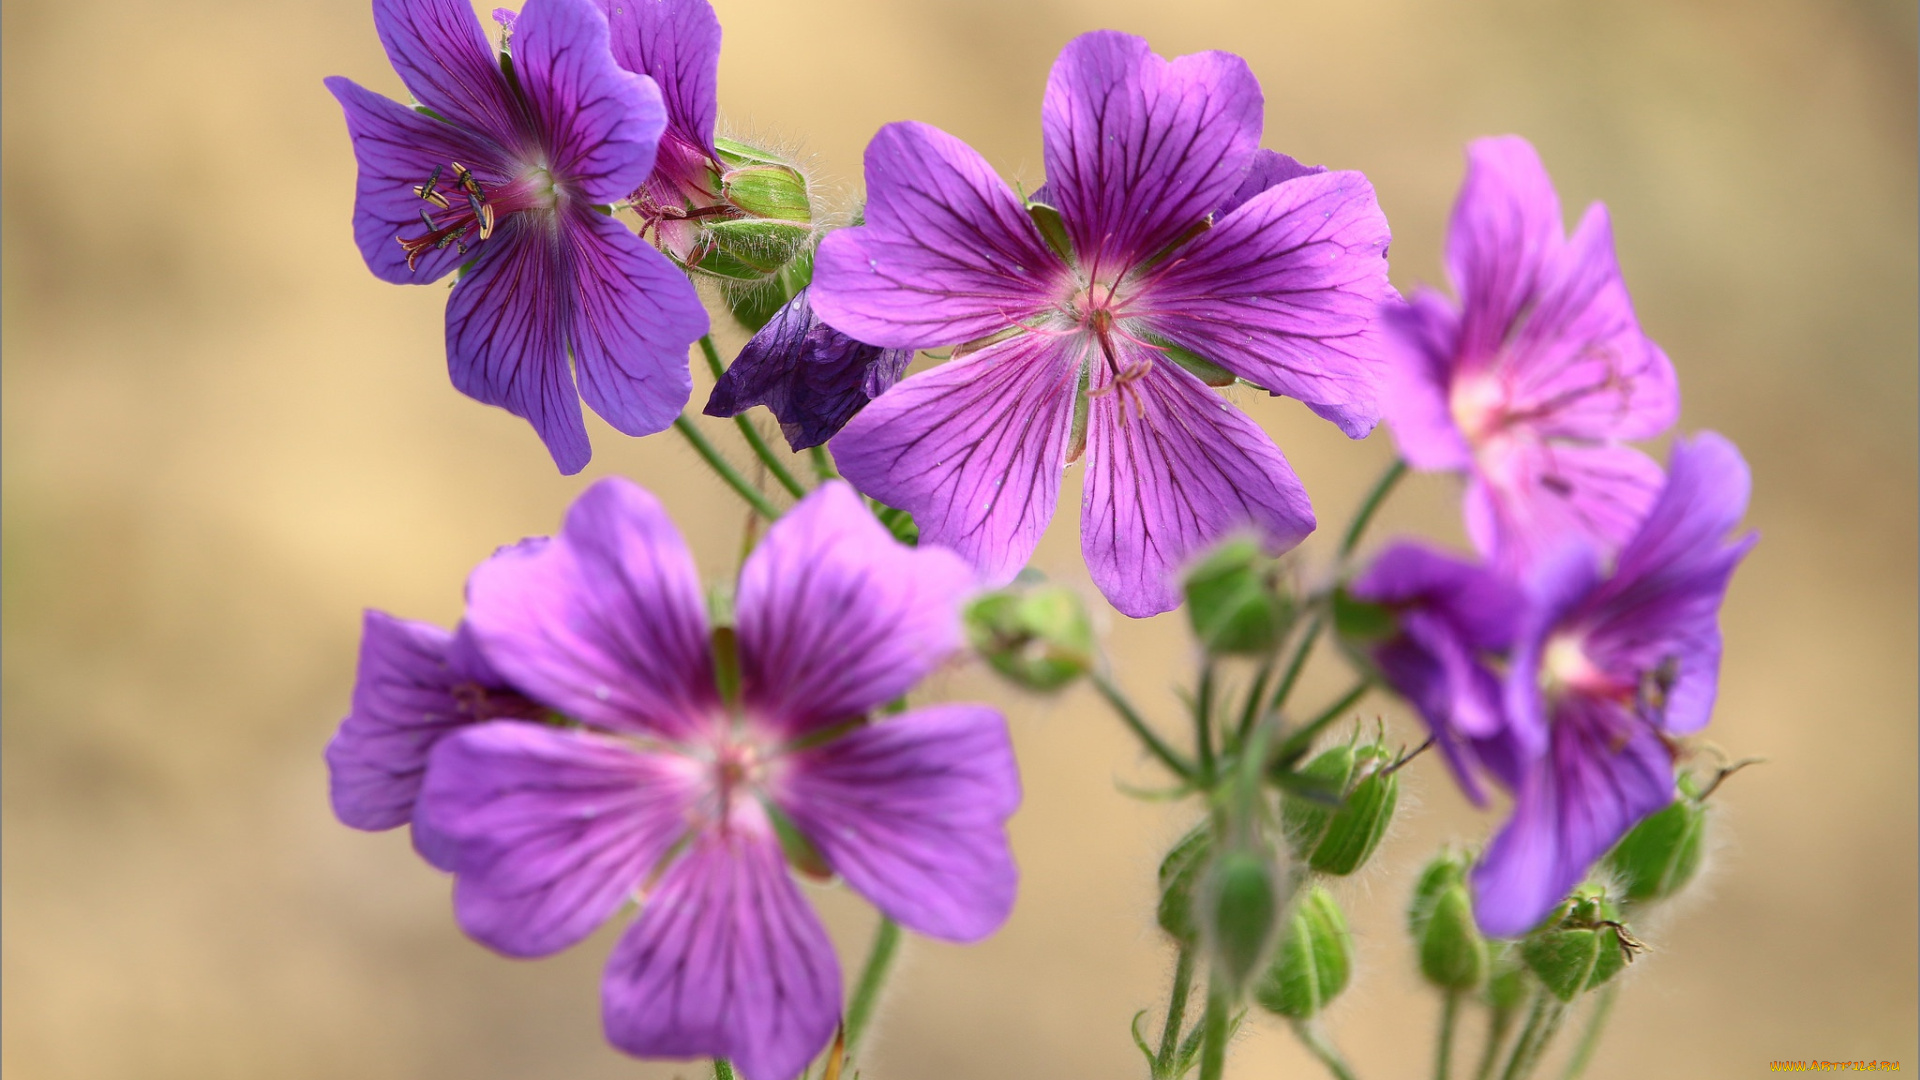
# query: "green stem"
1213,1049
1203,722
1449,1019
1321,1049
1370,506
750,433
728,473
1256,696
1297,663
1498,1022
822,464
1543,1020
722,1069
1176,1015
1131,717
866,994
1590,1038
1301,739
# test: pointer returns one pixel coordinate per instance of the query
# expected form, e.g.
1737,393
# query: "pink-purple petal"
633,318
549,831
396,149
447,63
1139,149
1269,168
677,44
912,813
601,122
605,622
947,254
726,959
1528,498
836,617
506,335
1504,237
973,449
1172,468
1416,383
1285,292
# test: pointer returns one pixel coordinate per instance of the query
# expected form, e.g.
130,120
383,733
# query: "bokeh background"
222,438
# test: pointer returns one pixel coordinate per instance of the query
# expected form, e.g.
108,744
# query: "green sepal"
1313,961
1303,818
1240,905
799,851
750,249
1234,603
755,303
1358,826
1571,962
1178,873
1662,853
1052,229
1198,366
901,524
1360,622
726,664
772,191
1039,638
735,154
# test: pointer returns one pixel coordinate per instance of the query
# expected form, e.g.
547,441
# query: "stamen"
426,191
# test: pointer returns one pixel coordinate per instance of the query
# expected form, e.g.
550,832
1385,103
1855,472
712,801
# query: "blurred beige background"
222,438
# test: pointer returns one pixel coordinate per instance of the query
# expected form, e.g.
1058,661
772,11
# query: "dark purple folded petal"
836,617
506,336
1527,498
1601,775
445,60
601,121
1267,169
809,375
1172,468
396,149
1286,292
1416,383
1483,608
633,317
549,831
1139,149
677,44
973,449
947,253
725,960
912,812
606,621
1504,237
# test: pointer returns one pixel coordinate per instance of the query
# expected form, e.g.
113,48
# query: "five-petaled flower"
1604,670
506,170
1534,381
693,764
1163,234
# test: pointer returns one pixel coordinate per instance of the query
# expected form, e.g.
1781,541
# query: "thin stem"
722,1069
750,433
1176,1014
1297,663
1443,1052
822,463
1256,695
1590,1038
866,993
1131,717
1523,1045
1213,1048
1498,1022
1302,737
1542,1022
727,472
1203,722
1321,1049
1370,506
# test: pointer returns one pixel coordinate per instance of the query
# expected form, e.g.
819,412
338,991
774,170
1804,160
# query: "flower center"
1565,666
1478,403
461,210
1095,310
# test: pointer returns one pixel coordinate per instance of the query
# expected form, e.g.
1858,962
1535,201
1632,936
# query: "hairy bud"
1313,960
1239,907
1453,955
1235,602
1039,638
1662,853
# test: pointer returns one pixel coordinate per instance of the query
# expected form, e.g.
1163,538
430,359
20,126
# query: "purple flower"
676,43
1532,383
1606,668
417,684
682,795
1449,617
508,178
1174,239
809,375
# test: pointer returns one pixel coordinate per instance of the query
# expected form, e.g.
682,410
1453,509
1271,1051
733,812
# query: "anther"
426,191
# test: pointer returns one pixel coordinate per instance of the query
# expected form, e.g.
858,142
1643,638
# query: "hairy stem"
1297,663
1203,722
1301,738
1443,1050
1590,1038
726,472
750,433
1131,717
1543,1020
866,993
1322,1049
1213,1049
1176,1015
722,1069
1498,1023
822,463
1370,506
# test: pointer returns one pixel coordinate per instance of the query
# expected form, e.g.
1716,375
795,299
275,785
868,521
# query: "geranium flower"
812,377
1158,243
1533,382
676,792
510,179
1605,669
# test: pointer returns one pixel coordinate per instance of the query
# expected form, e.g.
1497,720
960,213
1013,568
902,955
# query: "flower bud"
773,190
1178,872
1453,955
1357,827
1580,950
1039,638
1313,961
1316,791
1662,853
1235,603
1238,906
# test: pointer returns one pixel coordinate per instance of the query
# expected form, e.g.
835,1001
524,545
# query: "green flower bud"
1453,955
768,191
1178,872
752,250
1234,601
1239,906
1582,948
1313,961
1358,826
1315,793
1039,638
1445,871
1662,853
